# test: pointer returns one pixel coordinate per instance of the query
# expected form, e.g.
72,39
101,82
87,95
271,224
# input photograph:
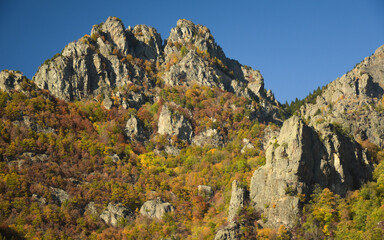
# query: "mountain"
125,136
355,101
113,57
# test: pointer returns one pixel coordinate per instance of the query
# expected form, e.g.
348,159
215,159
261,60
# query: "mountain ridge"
120,121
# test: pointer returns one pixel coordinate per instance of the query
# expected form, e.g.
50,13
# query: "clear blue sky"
297,45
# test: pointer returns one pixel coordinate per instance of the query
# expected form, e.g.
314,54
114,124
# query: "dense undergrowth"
78,140
76,143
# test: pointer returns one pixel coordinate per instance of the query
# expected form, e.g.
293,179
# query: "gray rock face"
296,161
230,232
107,102
192,69
172,150
200,36
91,209
59,195
114,31
174,124
238,199
354,100
193,66
247,145
114,213
156,208
29,123
114,57
134,129
205,191
40,199
91,65
149,43
10,80
209,137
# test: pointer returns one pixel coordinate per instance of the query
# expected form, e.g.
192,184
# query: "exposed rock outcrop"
93,65
59,195
230,232
298,160
114,31
30,123
247,145
113,57
91,209
355,101
156,208
148,44
114,213
41,200
209,137
134,129
238,199
205,191
10,80
174,124
193,57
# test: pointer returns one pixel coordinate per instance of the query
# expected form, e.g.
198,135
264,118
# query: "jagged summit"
166,126
355,100
113,57
114,31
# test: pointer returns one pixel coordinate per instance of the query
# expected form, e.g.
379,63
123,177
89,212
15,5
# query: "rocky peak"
354,100
114,57
149,41
186,32
114,31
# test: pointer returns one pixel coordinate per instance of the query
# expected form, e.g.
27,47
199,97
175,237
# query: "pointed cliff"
354,101
114,57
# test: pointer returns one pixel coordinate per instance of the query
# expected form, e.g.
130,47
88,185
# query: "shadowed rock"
114,213
156,208
298,160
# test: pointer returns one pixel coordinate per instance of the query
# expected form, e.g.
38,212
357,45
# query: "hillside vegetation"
120,136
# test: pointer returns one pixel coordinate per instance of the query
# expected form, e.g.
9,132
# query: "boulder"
40,199
114,213
247,145
205,191
172,150
59,195
107,102
156,208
